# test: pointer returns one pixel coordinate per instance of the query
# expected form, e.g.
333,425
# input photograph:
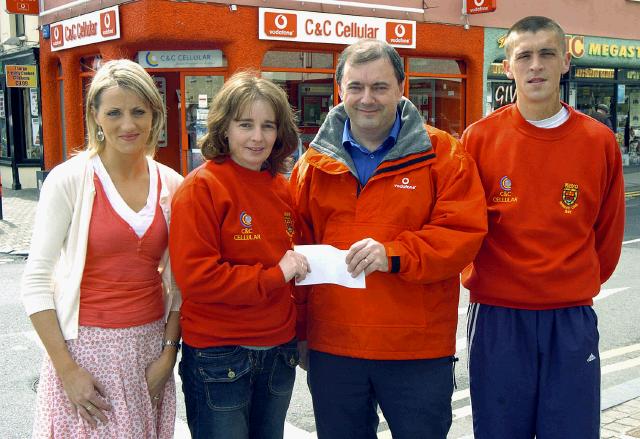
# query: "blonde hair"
240,90
131,76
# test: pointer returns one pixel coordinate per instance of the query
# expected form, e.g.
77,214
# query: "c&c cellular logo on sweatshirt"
246,230
505,194
569,197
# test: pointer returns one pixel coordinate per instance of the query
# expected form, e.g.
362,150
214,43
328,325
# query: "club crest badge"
289,224
569,200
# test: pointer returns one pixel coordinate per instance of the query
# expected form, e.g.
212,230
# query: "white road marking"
619,351
608,292
621,365
461,343
632,241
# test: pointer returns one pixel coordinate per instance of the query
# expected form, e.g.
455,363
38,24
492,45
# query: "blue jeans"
414,396
232,392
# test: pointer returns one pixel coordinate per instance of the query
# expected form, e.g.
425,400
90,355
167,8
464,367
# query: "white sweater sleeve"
50,231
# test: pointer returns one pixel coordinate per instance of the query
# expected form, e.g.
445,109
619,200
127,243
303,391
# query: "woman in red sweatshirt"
231,236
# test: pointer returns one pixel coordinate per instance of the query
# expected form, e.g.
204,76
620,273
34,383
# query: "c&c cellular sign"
86,29
314,27
480,6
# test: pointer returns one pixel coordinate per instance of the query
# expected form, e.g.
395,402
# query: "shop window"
439,101
4,144
311,95
90,64
30,110
437,88
63,132
199,93
435,65
307,78
19,24
298,60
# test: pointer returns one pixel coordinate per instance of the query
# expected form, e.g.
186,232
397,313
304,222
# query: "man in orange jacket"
408,205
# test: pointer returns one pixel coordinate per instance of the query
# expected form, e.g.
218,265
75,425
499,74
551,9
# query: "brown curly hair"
239,91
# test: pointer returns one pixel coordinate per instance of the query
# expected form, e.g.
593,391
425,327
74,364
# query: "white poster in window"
634,110
161,84
35,130
2,104
33,92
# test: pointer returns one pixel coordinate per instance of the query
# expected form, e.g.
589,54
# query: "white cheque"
328,266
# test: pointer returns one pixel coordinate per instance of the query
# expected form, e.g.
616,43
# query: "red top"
230,227
121,286
555,201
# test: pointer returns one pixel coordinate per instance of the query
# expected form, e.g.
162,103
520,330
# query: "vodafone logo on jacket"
399,34
405,183
279,24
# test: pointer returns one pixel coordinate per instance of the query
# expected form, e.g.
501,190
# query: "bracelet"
175,344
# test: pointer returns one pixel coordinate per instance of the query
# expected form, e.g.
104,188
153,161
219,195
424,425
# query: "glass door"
197,91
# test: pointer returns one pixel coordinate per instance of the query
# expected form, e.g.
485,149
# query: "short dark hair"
244,89
367,50
534,24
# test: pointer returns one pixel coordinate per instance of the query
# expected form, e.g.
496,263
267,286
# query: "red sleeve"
609,226
300,198
194,246
458,223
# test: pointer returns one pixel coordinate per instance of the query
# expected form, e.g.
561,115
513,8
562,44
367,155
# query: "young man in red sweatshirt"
555,198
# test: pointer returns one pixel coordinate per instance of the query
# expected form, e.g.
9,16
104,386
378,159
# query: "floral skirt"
117,359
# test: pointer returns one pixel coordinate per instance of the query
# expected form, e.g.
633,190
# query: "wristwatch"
175,344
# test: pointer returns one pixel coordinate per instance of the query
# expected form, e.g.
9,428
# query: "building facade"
20,118
191,48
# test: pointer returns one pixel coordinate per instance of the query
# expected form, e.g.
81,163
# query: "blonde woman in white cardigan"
97,285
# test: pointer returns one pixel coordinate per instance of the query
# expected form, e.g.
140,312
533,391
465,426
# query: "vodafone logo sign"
281,24
399,34
108,20
57,38
480,6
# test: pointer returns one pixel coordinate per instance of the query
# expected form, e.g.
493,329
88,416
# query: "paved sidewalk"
621,421
18,212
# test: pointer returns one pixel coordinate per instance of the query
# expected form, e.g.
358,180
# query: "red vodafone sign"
27,7
86,29
480,6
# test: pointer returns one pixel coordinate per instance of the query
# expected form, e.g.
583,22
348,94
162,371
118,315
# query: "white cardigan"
54,270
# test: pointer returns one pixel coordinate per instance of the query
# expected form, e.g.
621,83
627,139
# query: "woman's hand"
158,373
294,264
86,394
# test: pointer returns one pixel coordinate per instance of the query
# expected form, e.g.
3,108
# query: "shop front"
20,144
191,48
604,76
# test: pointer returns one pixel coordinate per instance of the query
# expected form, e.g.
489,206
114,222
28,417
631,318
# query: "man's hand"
367,255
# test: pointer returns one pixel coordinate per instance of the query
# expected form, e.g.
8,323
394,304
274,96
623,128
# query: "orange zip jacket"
425,204
556,210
